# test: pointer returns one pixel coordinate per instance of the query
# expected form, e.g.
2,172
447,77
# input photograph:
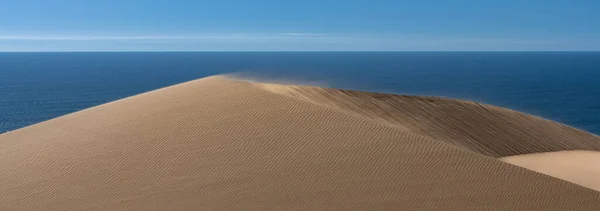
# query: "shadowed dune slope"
218,144
484,129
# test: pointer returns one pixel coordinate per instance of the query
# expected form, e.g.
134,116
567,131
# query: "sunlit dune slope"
580,167
220,144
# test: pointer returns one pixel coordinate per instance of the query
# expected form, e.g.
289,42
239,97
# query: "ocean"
561,86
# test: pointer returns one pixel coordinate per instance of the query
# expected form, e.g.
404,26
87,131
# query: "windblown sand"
222,144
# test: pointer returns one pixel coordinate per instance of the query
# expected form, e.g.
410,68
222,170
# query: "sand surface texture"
580,167
221,144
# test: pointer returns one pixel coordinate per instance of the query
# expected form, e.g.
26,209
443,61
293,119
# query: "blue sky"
307,25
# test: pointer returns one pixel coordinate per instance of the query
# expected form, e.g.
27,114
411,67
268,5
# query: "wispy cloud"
303,34
88,38
286,41
167,37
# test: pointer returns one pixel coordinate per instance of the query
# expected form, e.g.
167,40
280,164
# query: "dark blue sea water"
562,86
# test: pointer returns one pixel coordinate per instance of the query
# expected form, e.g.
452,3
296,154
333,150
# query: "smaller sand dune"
579,167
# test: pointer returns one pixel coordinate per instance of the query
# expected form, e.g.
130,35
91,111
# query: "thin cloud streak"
289,41
192,37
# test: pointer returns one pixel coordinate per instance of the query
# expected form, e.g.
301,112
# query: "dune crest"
220,144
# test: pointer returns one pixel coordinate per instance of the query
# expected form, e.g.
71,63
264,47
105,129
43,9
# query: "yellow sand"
220,144
579,167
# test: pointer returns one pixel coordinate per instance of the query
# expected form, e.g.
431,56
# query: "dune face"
220,144
483,129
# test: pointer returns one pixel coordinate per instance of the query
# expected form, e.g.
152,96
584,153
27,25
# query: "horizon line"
250,51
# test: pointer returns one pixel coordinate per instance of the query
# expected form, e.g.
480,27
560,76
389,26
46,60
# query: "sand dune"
220,144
